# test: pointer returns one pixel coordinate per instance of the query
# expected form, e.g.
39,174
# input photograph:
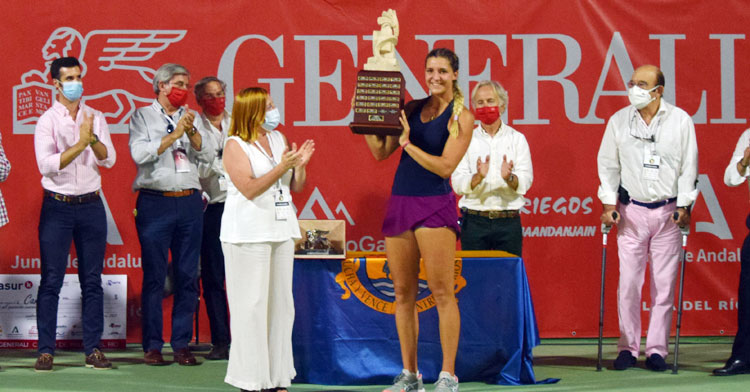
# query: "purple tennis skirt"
412,212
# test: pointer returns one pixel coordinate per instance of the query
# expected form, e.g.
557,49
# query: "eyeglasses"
640,84
182,85
213,96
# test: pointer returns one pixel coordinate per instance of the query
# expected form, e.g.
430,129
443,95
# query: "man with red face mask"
209,92
167,142
493,176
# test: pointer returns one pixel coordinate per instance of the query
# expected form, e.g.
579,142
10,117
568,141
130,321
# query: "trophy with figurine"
379,95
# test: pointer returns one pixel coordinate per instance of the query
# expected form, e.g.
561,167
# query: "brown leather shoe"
154,358
98,361
184,357
44,363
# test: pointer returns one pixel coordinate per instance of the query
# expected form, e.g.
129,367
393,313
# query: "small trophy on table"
379,96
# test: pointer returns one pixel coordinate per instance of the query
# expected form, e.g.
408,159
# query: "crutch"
685,230
605,231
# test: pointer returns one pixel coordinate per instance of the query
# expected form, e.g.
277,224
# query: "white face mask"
639,97
272,120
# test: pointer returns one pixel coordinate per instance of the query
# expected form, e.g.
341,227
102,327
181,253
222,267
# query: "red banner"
564,65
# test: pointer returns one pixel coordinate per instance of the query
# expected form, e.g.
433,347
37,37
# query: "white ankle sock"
445,375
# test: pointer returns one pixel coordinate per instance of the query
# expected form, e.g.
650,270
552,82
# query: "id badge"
651,164
181,163
222,183
283,206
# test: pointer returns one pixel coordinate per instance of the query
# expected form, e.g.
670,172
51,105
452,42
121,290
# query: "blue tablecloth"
351,341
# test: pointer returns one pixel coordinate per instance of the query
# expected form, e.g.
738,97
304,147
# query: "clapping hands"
298,158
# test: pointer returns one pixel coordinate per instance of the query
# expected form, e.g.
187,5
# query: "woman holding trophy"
421,219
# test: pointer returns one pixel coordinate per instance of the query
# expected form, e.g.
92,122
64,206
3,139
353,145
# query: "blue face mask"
273,118
72,90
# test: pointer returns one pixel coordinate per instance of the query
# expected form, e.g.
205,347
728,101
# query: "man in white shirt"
209,92
493,176
648,161
739,362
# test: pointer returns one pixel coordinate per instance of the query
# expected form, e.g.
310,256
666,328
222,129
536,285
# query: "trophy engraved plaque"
379,95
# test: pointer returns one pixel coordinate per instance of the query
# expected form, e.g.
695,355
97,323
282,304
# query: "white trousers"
259,293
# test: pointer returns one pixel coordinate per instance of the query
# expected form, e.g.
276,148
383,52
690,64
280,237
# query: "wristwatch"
94,140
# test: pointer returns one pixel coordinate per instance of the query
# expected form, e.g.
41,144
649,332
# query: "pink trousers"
641,233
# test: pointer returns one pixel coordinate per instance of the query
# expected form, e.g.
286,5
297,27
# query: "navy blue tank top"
411,178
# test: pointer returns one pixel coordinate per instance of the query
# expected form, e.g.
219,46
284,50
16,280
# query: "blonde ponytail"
458,107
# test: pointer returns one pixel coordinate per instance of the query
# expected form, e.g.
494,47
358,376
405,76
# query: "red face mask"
488,114
177,97
214,106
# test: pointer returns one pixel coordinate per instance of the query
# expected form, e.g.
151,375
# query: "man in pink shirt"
71,142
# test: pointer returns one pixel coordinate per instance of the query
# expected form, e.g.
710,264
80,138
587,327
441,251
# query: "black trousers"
741,347
212,275
481,233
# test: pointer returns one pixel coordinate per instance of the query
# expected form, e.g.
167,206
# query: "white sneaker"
404,382
446,383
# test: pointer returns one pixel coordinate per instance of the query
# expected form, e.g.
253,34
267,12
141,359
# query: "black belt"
497,214
655,204
182,193
77,199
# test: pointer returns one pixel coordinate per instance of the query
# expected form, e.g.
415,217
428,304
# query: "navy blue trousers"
164,225
741,347
212,275
86,226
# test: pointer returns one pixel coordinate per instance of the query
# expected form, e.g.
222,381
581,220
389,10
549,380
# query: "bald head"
649,74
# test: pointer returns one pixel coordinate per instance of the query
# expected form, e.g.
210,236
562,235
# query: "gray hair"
200,87
166,72
499,91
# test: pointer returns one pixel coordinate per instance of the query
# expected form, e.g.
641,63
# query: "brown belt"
492,214
78,199
182,193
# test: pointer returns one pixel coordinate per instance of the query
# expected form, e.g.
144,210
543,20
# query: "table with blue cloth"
345,331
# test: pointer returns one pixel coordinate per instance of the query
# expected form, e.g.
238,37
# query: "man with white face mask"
493,176
648,162
71,142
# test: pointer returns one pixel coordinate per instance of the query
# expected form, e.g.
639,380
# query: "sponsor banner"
565,76
18,328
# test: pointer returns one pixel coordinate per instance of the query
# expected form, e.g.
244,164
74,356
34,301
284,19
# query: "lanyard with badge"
651,159
179,153
282,203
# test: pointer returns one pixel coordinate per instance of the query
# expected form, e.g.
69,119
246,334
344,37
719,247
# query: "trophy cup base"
375,129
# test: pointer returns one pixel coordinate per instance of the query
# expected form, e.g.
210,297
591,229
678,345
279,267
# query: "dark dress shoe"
624,360
184,357
154,358
656,363
733,367
218,352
